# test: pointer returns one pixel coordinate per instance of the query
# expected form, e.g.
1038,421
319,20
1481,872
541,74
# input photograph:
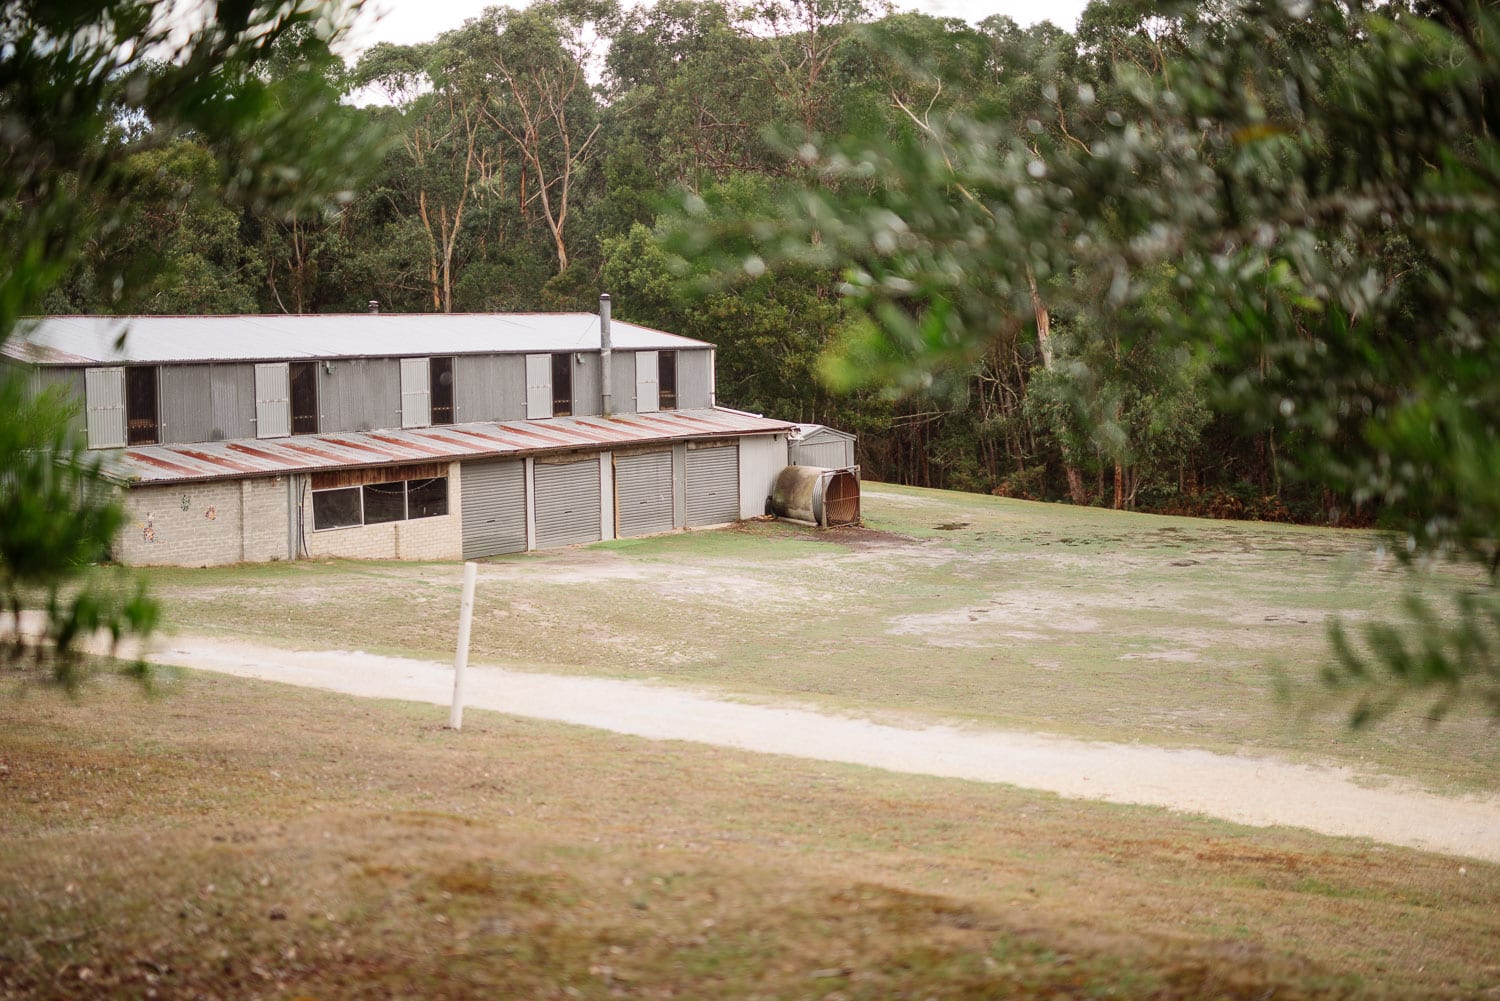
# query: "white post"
461,658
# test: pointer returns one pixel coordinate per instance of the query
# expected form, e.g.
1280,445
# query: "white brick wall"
195,524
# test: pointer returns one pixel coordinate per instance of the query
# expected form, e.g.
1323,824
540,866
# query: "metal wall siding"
567,502
827,453
231,402
647,399
643,493
360,394
694,380
70,383
622,381
416,393
713,485
538,386
186,403
273,401
489,388
104,389
587,401
493,506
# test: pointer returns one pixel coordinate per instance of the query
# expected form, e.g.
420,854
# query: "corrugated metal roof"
94,340
164,464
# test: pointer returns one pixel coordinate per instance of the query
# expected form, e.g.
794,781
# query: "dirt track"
1254,791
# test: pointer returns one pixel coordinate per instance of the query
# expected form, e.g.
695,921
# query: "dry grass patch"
249,840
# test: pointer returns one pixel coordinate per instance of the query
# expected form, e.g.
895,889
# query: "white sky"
408,21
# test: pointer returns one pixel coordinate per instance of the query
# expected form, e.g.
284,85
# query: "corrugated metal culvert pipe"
823,497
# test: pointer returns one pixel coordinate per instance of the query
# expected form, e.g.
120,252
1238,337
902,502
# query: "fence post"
461,657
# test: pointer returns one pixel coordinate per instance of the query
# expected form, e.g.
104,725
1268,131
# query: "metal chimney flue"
374,305
606,376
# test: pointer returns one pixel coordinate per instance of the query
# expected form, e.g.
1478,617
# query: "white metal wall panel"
762,458
538,386
416,393
643,493
104,394
273,401
567,502
647,374
493,498
713,485
695,379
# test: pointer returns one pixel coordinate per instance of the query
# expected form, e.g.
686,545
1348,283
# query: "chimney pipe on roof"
374,305
606,376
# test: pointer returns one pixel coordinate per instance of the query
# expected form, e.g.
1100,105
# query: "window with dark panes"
304,391
337,508
562,385
141,422
666,380
385,502
427,498
440,372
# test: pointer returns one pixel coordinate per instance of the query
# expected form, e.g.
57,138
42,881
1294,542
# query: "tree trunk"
1076,490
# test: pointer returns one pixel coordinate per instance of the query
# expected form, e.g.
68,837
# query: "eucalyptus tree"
1315,182
531,68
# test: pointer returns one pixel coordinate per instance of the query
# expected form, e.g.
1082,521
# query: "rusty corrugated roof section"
147,465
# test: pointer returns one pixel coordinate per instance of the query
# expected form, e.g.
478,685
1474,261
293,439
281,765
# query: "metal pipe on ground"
823,497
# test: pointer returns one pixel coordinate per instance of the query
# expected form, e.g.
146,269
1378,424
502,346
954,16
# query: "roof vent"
374,305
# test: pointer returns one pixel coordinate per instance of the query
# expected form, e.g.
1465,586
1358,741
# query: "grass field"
237,839
243,839
1078,621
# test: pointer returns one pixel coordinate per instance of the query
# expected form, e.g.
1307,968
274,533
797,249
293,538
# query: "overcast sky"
407,21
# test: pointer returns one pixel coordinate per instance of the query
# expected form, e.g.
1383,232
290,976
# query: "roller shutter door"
643,493
713,485
494,507
567,503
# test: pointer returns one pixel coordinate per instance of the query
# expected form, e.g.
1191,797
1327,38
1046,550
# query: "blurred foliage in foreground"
87,89
1293,202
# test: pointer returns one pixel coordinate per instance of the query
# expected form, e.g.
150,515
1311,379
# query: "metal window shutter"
567,503
104,396
416,393
643,493
647,393
538,386
494,507
713,485
273,401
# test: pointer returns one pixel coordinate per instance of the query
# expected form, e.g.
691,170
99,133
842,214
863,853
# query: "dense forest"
538,156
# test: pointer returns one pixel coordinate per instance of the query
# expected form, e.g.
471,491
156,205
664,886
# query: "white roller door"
643,493
567,502
494,507
713,485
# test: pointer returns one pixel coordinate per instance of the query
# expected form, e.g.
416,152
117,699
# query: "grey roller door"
713,485
494,507
643,493
567,503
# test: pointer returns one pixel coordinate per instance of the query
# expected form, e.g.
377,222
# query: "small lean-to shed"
819,445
